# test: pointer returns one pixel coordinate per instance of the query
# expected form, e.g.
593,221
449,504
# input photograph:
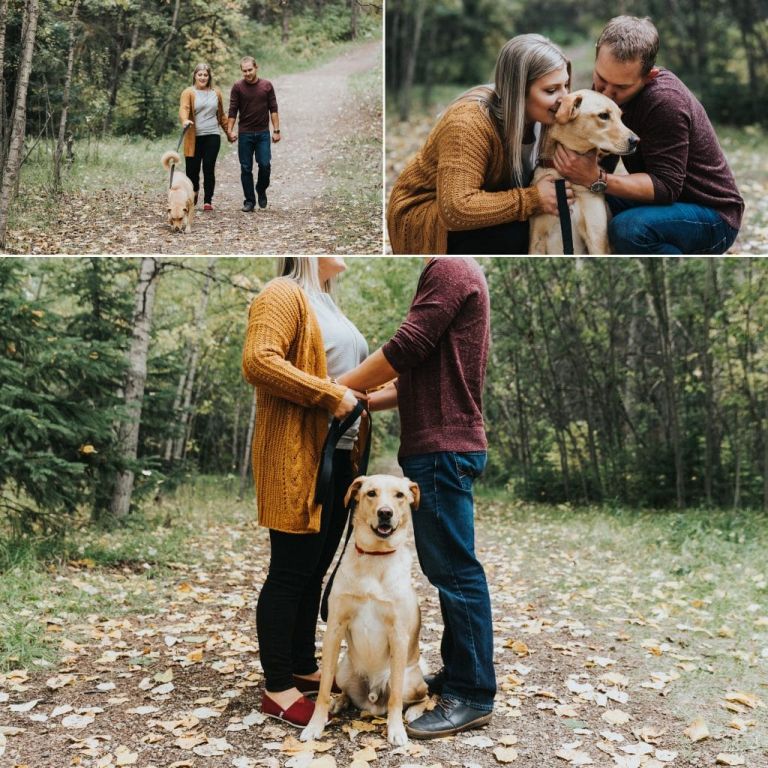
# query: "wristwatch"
275,130
601,184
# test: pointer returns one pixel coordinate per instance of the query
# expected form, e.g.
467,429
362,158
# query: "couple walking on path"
201,113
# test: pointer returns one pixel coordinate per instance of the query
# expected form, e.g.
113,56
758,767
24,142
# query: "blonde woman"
201,111
298,342
468,191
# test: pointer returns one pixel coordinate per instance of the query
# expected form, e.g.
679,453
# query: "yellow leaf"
748,699
615,717
194,657
725,759
507,740
366,754
123,756
518,646
505,754
164,677
87,449
697,730
326,761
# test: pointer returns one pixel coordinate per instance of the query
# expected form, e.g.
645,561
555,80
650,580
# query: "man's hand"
232,137
548,195
578,169
275,137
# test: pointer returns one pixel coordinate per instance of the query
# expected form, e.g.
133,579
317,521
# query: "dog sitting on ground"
585,121
374,606
181,195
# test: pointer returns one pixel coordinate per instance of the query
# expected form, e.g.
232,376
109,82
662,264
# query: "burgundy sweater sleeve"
272,100
665,150
438,299
234,101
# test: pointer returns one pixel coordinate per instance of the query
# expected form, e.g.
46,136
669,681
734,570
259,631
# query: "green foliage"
578,408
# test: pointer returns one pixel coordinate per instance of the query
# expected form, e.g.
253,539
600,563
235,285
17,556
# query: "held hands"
232,137
187,123
579,169
548,195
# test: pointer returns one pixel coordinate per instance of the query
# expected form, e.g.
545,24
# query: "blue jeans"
248,145
445,543
678,228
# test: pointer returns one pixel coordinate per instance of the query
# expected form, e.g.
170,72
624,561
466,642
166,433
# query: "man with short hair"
439,356
253,98
679,196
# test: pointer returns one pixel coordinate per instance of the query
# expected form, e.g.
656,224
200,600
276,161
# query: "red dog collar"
363,552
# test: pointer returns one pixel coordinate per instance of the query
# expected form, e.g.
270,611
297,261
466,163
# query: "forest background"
637,382
436,50
89,89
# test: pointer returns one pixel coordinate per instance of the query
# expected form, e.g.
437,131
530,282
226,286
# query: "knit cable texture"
284,358
458,181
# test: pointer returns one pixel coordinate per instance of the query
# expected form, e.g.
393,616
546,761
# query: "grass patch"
356,173
46,584
693,584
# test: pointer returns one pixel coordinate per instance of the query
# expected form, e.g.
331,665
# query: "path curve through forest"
317,114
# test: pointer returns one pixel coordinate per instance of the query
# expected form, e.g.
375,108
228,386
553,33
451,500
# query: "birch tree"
133,388
12,162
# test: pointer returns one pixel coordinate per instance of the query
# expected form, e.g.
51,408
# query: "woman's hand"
187,122
548,195
346,406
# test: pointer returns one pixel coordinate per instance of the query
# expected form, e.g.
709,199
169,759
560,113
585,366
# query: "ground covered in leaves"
621,641
310,209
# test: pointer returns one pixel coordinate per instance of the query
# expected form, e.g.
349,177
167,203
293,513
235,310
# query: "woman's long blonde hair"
521,60
304,271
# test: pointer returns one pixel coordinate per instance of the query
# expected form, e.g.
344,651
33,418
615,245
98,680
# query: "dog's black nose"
385,514
633,142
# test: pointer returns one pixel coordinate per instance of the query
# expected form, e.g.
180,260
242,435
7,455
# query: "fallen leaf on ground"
697,730
726,759
505,754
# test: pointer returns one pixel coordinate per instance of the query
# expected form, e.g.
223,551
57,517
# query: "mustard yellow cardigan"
187,112
458,181
284,358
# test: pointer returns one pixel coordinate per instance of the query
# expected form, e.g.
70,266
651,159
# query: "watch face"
598,186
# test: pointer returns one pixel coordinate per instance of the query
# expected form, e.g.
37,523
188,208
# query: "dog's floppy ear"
353,490
569,108
414,489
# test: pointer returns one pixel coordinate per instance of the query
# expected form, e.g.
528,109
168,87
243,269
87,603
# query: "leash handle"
565,217
325,483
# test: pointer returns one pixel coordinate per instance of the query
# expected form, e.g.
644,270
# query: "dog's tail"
170,158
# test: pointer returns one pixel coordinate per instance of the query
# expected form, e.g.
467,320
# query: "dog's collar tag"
365,552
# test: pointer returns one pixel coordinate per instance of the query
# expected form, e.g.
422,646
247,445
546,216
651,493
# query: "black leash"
565,217
324,490
173,165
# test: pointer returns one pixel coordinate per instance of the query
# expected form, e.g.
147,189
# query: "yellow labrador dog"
181,195
374,606
585,121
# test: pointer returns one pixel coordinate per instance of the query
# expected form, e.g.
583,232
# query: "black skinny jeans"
289,602
206,152
501,239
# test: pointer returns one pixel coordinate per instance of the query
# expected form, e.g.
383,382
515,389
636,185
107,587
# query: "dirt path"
181,688
316,114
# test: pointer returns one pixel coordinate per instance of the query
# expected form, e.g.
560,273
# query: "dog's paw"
416,710
313,730
396,734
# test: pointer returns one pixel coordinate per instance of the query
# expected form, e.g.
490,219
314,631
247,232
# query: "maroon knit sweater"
440,353
254,102
679,149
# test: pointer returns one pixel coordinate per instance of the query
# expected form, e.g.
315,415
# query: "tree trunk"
659,295
65,99
354,14
404,101
235,435
168,455
133,389
170,42
245,463
199,330
285,20
134,45
19,121
3,125
710,305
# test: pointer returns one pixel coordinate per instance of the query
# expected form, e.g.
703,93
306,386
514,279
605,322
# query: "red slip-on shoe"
312,686
298,714
208,207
